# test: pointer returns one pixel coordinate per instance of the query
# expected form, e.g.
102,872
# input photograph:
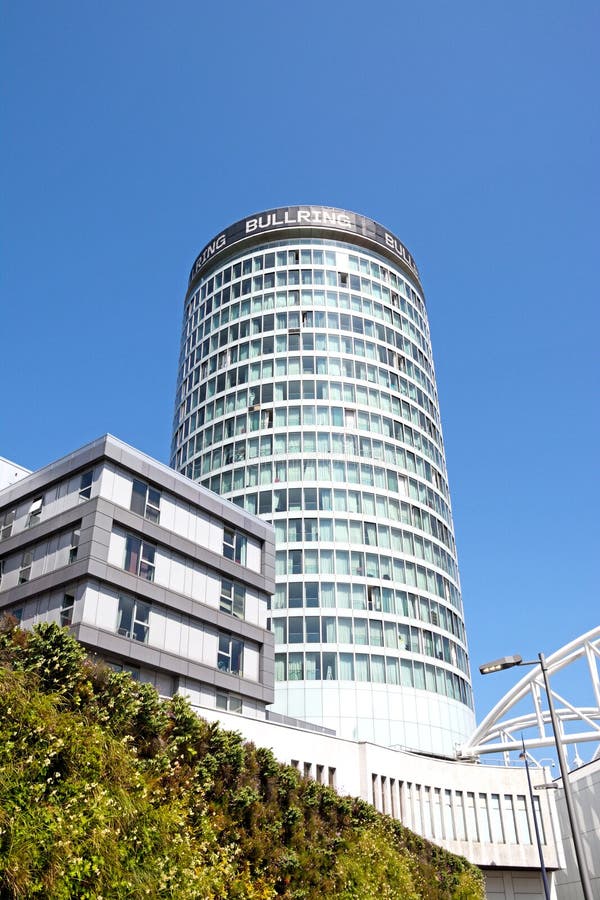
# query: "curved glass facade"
306,394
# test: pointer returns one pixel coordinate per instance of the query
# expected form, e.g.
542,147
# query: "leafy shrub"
107,791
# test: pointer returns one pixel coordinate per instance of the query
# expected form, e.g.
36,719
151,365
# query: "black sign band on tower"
315,218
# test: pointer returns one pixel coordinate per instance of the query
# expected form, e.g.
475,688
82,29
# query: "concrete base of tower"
390,715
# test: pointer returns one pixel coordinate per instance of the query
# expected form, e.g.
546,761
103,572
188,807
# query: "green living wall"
108,792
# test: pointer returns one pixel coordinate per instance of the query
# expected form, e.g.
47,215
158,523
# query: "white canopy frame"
501,733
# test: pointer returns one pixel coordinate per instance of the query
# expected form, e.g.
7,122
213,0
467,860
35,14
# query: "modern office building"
306,395
151,572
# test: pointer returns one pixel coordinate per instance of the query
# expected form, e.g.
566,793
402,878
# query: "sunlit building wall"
306,394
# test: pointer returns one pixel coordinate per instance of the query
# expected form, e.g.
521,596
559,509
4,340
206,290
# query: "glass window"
295,594
359,599
313,666
312,593
343,595
391,670
6,523
296,667
313,629
230,654
357,562
376,629
391,635
327,562
85,485
378,669
295,630
66,610
330,666
406,673
228,702
145,501
234,546
35,512
362,669
75,534
327,594
133,619
311,562
342,562
139,557
328,629
360,631
295,562
25,567
345,630
280,630
419,671
280,667
233,598
346,667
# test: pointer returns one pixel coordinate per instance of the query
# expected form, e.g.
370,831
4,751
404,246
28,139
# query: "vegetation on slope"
108,792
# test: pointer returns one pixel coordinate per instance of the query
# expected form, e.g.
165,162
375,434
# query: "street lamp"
507,662
523,755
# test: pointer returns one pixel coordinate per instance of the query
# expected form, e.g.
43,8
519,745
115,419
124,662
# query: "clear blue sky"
133,131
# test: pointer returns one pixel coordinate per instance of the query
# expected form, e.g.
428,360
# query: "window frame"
232,600
148,500
35,511
137,623
229,650
85,485
145,566
7,519
25,566
235,545
74,546
66,609
228,702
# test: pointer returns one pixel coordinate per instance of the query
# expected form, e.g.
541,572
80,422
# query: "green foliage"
371,867
106,791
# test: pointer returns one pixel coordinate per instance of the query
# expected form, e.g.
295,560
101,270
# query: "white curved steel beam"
495,733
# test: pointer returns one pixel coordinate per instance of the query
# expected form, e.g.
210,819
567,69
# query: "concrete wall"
429,795
585,784
10,472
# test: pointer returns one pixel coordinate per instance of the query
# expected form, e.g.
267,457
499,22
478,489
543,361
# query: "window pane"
138,497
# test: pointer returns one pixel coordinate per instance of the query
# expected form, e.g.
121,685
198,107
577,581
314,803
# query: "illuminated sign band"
312,217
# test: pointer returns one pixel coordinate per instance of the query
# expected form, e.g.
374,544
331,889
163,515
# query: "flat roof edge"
112,448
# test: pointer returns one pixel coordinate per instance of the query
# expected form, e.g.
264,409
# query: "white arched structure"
501,729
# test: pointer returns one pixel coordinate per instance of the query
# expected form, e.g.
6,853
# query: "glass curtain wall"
307,395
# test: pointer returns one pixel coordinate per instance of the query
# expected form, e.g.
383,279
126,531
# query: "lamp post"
536,825
507,662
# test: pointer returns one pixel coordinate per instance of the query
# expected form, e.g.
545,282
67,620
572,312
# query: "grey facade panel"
44,529
187,548
45,583
96,519
110,448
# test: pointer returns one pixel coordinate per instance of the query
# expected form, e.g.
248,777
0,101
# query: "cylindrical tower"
306,394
